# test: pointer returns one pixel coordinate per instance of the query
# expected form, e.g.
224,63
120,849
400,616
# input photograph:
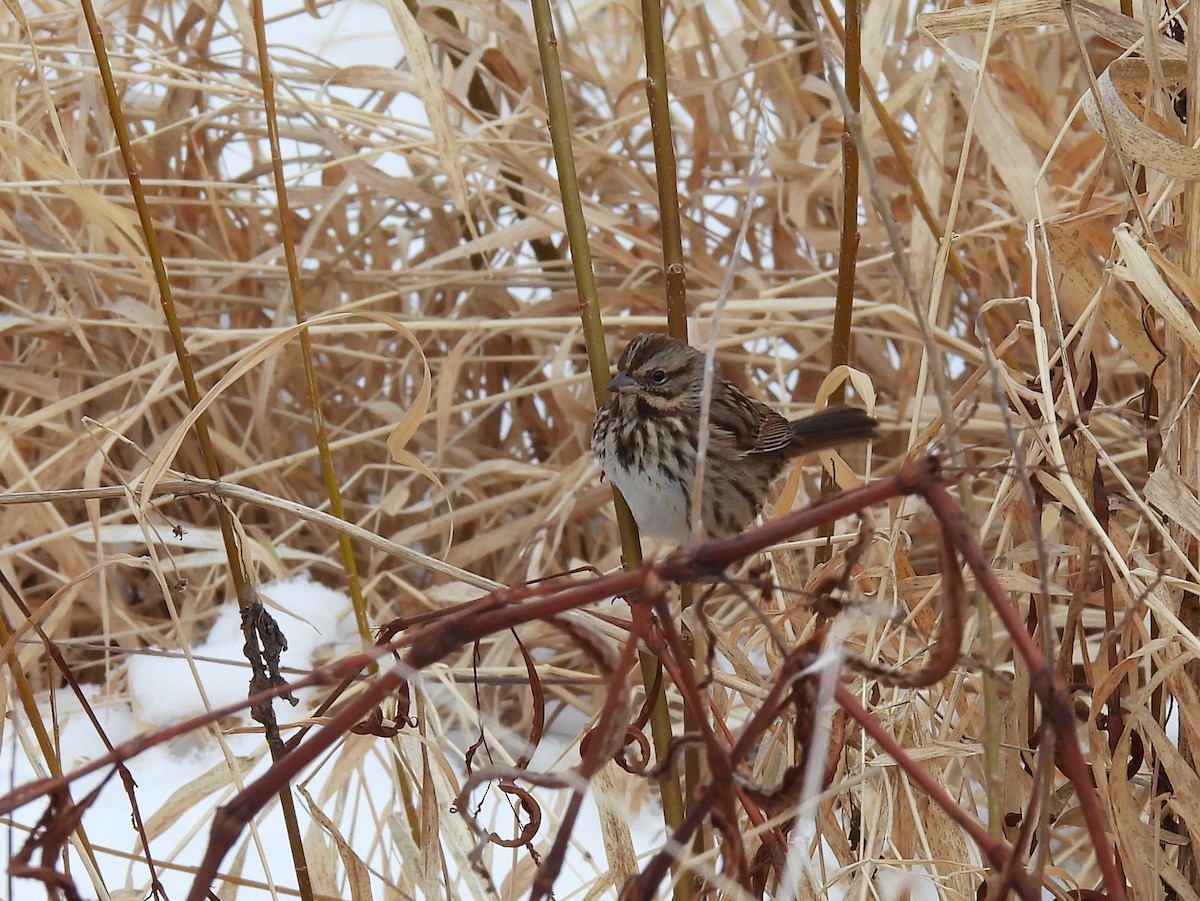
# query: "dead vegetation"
1023,301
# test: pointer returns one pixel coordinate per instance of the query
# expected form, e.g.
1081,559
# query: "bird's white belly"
658,504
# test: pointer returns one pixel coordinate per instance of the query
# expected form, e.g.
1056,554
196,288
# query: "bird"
645,439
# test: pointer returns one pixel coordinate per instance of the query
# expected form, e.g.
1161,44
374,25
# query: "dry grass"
409,199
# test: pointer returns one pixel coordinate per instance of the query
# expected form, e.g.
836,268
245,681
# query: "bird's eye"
658,376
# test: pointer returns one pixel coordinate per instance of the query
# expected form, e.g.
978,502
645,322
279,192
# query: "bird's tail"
832,427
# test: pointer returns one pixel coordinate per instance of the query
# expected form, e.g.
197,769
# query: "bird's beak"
622,382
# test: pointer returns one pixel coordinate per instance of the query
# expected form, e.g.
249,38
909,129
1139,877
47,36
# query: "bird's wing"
751,427
774,433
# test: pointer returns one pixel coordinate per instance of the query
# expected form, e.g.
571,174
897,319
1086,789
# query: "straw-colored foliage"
1054,276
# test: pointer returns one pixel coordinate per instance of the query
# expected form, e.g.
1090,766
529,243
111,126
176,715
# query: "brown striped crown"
657,364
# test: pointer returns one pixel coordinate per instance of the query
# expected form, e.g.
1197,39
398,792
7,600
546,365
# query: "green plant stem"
658,105
328,472
208,451
166,300
843,312
675,271
895,138
593,332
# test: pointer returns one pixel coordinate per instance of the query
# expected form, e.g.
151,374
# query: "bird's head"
657,364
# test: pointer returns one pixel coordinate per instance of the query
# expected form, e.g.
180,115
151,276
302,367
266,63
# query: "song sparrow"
645,435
